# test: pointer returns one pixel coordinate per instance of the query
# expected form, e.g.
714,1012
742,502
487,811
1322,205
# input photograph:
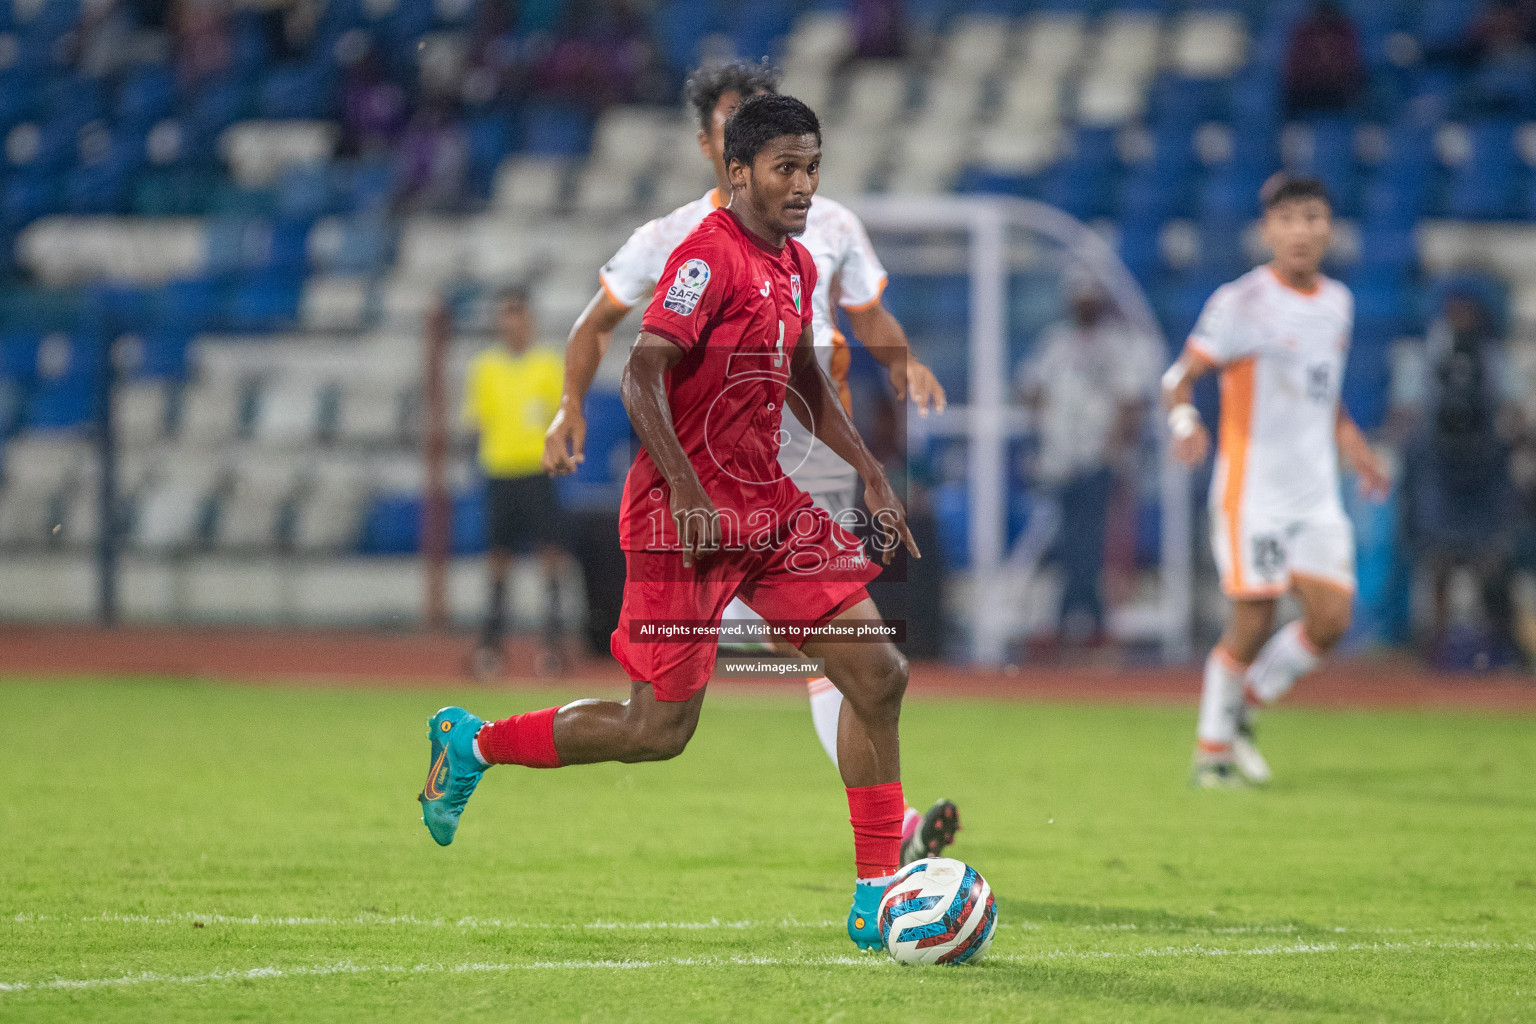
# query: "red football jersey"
736,307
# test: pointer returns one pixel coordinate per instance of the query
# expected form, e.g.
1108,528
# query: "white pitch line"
868,960
408,920
347,967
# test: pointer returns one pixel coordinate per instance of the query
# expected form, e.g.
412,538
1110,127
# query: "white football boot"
1246,758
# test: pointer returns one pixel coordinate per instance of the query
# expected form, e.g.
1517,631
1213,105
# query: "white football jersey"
1282,354
840,246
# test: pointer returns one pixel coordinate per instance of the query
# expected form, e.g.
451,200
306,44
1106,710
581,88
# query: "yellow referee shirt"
511,400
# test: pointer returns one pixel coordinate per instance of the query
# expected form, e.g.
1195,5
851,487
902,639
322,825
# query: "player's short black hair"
512,295
1282,188
710,81
761,119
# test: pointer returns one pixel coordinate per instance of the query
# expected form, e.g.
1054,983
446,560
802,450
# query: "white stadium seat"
1210,44
334,304
138,413
210,412
257,150
530,186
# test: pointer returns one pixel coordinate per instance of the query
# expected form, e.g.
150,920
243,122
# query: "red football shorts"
789,584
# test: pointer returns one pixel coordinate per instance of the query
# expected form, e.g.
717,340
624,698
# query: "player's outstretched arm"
823,415
1191,441
1357,452
882,334
567,435
644,390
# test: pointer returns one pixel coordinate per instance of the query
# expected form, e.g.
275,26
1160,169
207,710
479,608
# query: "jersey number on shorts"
1268,555
778,358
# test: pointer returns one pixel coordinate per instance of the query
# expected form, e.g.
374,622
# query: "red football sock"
528,740
875,813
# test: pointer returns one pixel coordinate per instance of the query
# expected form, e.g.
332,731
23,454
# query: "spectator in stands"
1459,499
600,57
1087,385
202,39
1504,72
879,30
1324,68
510,398
373,106
432,159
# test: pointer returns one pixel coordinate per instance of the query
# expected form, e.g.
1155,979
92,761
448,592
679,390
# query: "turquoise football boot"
454,774
863,923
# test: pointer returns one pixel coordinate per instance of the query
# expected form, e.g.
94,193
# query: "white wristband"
1183,420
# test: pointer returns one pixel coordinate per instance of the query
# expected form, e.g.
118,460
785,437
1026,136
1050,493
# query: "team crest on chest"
794,290
686,288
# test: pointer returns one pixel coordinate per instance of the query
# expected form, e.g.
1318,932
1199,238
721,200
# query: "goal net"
978,283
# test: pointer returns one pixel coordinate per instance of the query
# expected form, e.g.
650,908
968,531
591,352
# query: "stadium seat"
1483,187
288,412
177,508
139,413
391,525
65,394
555,130
329,514
252,508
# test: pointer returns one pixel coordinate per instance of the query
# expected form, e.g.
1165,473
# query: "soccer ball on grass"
937,911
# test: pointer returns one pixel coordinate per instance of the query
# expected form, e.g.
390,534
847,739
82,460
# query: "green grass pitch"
176,851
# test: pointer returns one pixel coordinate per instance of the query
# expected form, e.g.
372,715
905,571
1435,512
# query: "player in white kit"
849,274
1279,337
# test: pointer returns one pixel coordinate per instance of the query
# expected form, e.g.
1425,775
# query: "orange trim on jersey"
609,292
841,357
1316,287
1327,581
819,685
872,303
1254,593
1236,425
714,197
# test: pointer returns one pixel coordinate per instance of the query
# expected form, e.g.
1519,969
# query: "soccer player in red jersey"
708,514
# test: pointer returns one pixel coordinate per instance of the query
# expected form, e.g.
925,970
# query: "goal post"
1004,247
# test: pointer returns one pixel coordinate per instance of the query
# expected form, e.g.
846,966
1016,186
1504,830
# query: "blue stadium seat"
609,440
146,97
26,197
369,186
165,353
71,101
68,398
468,529
1084,183
194,304
18,356
392,525
18,97
268,302
1484,187
1333,161
556,129
490,139
1140,251
304,192
1443,24
181,191
295,91
1367,384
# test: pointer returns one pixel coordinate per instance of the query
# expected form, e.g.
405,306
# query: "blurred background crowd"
241,212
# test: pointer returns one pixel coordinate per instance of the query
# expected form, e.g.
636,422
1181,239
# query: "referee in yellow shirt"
510,398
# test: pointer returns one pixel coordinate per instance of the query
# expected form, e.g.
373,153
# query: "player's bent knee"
1325,631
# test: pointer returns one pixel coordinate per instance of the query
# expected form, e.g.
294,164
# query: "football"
938,911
